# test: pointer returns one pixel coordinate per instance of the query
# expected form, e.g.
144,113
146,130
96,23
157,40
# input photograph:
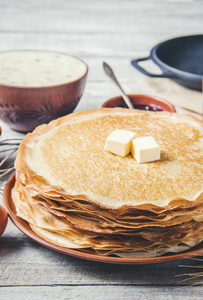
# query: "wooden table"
114,31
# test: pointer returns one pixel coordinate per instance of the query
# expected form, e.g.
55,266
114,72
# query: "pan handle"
135,64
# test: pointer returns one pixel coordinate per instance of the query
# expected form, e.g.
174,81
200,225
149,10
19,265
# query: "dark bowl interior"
142,102
184,53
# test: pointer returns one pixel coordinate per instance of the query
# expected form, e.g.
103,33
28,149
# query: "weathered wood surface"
104,292
114,31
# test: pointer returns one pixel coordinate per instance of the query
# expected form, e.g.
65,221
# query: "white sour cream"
36,68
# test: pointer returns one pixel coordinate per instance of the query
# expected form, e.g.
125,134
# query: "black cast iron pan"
180,59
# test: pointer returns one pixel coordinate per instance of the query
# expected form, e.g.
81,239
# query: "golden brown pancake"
57,226
110,203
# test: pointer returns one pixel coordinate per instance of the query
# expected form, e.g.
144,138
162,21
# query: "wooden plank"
100,293
87,45
121,16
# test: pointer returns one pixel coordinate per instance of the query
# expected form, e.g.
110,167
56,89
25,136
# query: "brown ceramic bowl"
25,106
142,102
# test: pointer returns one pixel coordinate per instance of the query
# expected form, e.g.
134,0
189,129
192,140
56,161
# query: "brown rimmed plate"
25,228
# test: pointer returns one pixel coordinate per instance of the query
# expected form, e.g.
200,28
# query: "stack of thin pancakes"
76,194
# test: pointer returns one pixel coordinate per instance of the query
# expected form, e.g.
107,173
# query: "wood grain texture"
115,31
100,293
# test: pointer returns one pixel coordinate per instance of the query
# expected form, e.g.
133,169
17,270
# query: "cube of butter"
145,149
119,142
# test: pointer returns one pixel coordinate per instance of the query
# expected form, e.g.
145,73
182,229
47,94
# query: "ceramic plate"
25,228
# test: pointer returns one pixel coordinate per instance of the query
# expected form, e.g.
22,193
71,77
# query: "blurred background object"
39,86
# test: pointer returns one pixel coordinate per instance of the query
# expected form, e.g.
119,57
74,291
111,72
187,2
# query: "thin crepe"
76,194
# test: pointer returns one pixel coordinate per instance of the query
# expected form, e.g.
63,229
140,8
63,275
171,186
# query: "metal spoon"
111,74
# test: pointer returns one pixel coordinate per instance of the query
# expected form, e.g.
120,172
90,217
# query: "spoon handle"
111,74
